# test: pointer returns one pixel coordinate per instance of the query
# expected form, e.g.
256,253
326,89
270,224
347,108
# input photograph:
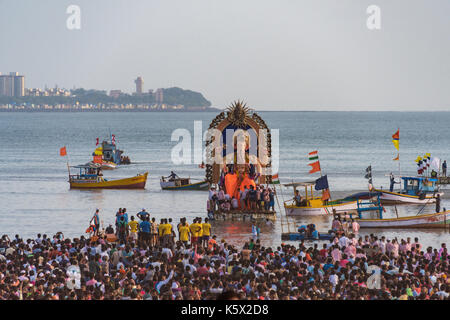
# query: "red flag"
63,152
315,167
96,142
98,159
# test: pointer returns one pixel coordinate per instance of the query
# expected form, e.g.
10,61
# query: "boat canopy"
300,184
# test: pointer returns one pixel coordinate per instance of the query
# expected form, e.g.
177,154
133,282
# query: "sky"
274,54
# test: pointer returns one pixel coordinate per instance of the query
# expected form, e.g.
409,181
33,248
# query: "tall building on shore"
159,96
139,83
12,85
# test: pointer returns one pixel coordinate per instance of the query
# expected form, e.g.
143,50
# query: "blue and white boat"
414,190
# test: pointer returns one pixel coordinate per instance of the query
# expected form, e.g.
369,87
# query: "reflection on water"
35,194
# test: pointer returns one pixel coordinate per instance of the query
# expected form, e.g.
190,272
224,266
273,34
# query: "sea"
35,196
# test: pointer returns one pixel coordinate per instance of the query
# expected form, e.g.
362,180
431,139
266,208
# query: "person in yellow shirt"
184,233
160,231
195,231
133,228
167,233
206,231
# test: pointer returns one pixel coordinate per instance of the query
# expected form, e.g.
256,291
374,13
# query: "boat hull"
169,185
388,197
434,220
292,210
108,166
137,182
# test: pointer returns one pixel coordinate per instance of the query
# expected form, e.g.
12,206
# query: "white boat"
434,220
315,206
416,190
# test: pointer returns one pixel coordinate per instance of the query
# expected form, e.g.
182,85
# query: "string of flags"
427,162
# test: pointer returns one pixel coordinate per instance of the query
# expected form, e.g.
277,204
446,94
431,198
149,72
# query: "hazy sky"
277,54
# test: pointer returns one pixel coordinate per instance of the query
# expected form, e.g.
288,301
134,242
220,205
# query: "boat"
110,153
433,220
301,236
91,177
415,190
314,205
183,184
106,165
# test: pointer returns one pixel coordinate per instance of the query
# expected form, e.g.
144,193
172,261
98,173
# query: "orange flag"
63,152
98,159
398,157
325,194
315,167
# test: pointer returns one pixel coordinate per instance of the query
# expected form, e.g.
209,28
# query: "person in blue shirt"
144,233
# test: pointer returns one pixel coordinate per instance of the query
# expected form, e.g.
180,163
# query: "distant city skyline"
275,55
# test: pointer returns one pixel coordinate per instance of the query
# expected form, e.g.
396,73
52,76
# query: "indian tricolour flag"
275,179
313,156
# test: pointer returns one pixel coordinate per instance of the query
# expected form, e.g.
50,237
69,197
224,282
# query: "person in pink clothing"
395,248
350,251
336,254
355,226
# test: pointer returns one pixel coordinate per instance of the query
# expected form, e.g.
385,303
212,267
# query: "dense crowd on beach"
145,260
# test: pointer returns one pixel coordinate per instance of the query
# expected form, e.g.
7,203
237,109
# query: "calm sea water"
35,195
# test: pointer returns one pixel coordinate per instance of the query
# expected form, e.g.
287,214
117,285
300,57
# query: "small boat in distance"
414,190
314,205
110,153
91,177
182,184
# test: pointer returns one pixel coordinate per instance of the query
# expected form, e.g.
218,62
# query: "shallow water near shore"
35,195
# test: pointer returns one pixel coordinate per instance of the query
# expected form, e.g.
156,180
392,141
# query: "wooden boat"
90,177
106,165
415,190
183,184
433,220
314,206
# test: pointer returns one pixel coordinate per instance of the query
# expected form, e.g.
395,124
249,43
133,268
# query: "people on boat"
172,176
392,182
433,173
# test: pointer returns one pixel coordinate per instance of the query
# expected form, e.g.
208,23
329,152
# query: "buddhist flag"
395,139
63,151
315,167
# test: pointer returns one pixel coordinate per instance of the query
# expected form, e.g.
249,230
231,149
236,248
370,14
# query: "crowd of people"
258,198
149,261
